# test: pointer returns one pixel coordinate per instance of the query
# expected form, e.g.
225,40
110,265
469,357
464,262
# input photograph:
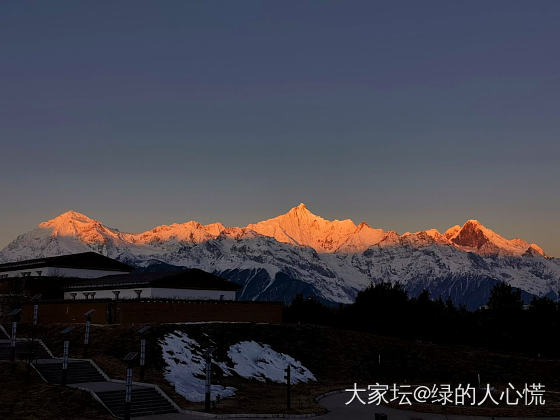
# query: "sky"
407,115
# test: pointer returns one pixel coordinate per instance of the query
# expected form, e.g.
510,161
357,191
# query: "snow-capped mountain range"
299,252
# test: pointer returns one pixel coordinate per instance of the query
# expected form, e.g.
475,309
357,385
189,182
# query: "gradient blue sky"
405,114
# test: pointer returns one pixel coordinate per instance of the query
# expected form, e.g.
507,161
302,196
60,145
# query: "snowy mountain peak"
76,232
534,249
191,232
68,217
75,224
475,237
300,252
452,231
71,232
301,227
299,211
433,235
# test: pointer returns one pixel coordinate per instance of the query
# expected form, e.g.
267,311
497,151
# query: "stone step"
145,401
119,412
139,404
144,408
23,350
78,372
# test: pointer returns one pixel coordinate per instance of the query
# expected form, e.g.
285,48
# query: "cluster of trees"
386,309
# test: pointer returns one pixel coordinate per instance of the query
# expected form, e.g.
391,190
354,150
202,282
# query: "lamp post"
129,359
88,315
34,328
207,395
288,377
142,331
65,353
15,317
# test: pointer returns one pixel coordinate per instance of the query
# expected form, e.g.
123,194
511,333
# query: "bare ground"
338,358
24,395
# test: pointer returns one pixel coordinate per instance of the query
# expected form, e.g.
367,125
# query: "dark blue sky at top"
407,115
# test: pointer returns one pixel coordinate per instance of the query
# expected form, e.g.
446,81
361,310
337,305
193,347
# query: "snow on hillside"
185,366
252,360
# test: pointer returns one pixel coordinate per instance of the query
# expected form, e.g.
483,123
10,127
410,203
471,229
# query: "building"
189,295
89,276
188,284
82,265
63,289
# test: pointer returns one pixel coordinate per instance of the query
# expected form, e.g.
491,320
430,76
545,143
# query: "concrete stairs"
23,350
85,374
145,401
79,371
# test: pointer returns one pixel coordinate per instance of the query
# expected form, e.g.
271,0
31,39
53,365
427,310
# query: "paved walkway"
338,410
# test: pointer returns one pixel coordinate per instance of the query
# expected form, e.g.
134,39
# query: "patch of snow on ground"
254,360
186,368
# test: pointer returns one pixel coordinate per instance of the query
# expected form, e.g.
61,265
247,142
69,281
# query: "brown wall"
66,312
192,311
144,312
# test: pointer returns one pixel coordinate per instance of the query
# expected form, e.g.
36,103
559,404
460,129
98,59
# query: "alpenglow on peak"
297,227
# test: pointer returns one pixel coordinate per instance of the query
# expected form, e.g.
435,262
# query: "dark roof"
84,260
184,279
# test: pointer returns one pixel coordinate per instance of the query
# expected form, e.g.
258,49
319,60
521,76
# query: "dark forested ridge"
504,324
